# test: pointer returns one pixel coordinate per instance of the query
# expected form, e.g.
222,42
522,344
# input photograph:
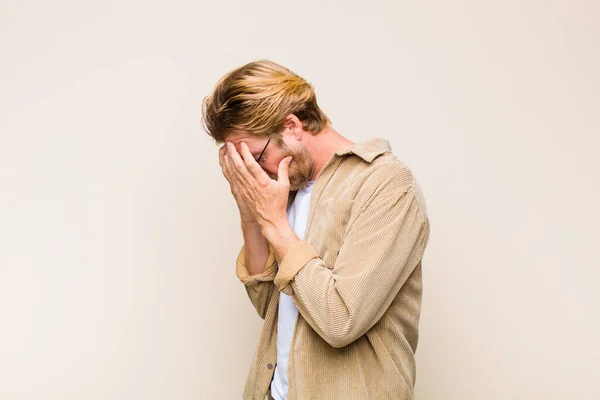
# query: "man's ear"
294,125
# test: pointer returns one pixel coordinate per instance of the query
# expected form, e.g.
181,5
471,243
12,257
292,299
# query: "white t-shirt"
297,216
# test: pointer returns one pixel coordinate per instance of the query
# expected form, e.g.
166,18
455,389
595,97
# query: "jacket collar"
368,149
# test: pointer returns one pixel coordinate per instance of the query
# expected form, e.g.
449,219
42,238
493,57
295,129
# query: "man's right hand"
256,245
245,214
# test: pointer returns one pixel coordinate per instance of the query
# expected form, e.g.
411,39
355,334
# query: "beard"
301,169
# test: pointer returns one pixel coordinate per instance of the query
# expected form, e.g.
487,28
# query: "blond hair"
256,98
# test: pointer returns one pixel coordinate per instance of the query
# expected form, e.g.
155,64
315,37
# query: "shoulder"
389,177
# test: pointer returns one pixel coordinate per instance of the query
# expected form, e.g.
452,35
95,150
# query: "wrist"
281,235
273,226
248,219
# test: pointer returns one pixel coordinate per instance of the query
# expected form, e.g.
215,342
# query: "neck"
324,145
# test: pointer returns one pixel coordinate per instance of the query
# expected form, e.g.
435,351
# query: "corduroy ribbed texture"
356,280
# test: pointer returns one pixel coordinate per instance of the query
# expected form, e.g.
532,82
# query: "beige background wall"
118,233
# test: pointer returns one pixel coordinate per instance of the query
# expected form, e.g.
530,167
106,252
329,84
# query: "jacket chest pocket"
332,223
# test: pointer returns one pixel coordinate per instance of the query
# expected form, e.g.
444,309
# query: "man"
334,234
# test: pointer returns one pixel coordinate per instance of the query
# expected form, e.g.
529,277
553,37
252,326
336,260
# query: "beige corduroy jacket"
356,280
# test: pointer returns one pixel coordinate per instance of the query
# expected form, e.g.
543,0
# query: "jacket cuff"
250,280
295,258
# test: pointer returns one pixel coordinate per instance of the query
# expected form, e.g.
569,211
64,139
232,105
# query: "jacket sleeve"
259,287
379,251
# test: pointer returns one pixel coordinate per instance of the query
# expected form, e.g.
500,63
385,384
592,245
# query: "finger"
238,166
226,169
234,175
226,166
283,170
235,184
253,167
222,151
222,163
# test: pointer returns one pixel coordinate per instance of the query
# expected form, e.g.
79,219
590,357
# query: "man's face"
302,167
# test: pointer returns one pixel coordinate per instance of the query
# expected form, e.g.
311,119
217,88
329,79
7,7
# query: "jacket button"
270,366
